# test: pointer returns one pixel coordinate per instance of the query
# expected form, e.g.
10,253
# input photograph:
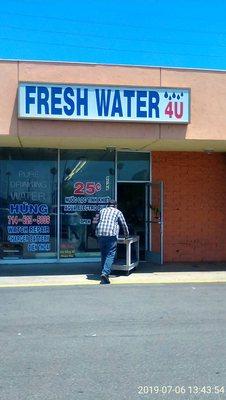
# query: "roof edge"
113,65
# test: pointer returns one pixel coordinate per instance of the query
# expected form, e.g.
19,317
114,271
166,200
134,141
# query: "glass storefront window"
28,203
133,166
87,183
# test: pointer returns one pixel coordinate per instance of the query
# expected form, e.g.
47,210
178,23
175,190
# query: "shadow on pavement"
147,267
49,269
93,270
92,277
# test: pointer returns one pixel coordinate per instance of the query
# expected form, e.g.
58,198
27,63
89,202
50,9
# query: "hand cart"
127,258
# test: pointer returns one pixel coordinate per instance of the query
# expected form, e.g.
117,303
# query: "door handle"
153,222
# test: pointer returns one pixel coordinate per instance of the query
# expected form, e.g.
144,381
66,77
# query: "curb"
146,279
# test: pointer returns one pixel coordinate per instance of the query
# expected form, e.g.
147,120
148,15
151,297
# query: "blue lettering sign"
103,101
56,93
82,102
42,99
18,238
70,107
14,208
25,208
17,229
29,99
31,247
72,102
153,103
117,105
141,103
129,94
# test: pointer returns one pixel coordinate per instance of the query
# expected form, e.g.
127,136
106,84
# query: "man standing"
107,231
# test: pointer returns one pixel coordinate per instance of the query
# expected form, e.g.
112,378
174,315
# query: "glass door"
87,183
131,201
154,222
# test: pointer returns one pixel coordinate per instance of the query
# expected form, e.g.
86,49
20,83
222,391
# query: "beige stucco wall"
208,102
8,103
208,117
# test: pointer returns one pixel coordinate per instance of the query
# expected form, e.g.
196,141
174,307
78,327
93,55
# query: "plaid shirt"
110,219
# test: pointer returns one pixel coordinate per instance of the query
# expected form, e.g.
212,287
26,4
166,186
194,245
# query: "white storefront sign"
100,103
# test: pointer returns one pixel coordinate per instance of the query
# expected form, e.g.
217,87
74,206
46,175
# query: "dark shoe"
104,280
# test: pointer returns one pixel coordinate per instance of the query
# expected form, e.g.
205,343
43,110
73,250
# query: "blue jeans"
108,246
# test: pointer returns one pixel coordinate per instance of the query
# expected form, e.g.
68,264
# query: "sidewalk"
31,275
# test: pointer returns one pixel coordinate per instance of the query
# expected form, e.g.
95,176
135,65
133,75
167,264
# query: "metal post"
116,175
58,205
161,222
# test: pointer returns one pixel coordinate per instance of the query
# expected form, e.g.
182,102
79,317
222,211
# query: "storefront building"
73,136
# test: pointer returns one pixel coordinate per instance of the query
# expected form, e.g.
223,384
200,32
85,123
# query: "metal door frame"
146,184
148,224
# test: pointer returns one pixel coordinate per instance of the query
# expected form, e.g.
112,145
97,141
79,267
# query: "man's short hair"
112,203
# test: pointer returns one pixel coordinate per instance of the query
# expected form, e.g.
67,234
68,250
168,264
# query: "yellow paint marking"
20,285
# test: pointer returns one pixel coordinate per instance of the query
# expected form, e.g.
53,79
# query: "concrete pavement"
70,275
108,343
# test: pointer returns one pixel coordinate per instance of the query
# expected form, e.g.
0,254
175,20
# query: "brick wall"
194,204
